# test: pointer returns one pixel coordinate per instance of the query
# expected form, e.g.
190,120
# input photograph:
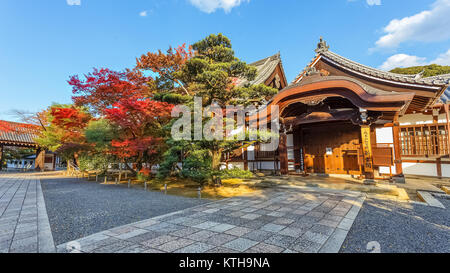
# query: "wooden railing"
424,140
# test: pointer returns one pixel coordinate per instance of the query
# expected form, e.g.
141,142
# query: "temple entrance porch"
329,148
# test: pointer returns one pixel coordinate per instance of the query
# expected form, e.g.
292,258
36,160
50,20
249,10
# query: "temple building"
20,135
339,117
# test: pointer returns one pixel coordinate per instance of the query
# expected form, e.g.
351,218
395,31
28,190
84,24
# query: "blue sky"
43,42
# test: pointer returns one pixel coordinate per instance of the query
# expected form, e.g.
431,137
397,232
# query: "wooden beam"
297,148
245,159
282,149
439,167
367,151
397,151
447,115
1,157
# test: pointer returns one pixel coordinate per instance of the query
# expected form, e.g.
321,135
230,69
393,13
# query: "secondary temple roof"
13,133
265,69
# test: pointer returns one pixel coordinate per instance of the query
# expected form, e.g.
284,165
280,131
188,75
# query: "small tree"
64,130
140,134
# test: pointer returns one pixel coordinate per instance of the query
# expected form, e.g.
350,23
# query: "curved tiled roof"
265,68
324,52
17,133
445,97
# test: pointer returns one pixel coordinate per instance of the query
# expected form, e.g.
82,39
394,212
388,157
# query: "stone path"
288,220
24,225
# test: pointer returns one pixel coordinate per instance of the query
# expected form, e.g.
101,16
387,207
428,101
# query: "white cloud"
443,59
73,2
427,26
210,6
374,2
404,60
143,13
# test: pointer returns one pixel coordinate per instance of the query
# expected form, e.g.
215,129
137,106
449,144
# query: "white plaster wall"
291,155
427,169
232,165
266,165
385,135
385,170
416,119
251,153
290,140
445,170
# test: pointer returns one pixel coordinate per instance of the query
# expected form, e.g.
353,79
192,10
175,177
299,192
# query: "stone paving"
279,221
24,225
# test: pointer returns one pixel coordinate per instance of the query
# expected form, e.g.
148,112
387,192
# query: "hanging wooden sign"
367,148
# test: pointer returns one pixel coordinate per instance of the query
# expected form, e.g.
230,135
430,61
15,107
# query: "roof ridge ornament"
419,75
311,71
322,46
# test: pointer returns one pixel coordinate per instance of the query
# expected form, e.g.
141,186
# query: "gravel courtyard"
400,228
287,220
78,208
110,218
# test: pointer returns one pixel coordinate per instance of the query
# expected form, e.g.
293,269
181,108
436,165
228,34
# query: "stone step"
429,199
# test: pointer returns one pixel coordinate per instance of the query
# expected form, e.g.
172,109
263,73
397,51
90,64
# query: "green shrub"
235,173
94,162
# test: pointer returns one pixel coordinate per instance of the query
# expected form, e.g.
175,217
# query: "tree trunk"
216,158
129,168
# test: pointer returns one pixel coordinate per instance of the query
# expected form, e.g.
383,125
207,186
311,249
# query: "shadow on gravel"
78,208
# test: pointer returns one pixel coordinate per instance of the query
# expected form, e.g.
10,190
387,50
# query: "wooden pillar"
297,149
245,159
438,158
1,157
439,167
367,152
447,114
282,150
397,147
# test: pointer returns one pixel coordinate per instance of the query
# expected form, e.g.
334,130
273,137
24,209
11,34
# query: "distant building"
13,134
26,163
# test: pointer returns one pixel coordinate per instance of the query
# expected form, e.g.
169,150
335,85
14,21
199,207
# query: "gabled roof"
265,68
13,133
370,72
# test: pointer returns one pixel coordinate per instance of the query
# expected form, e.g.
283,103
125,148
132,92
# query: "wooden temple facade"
343,118
13,134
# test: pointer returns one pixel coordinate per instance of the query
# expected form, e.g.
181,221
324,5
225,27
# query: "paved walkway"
78,208
24,225
287,220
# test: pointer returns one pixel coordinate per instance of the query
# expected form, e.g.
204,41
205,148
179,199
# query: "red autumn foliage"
140,121
165,63
146,172
72,121
103,87
69,118
135,147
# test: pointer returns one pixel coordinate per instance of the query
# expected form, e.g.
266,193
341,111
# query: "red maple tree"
103,87
140,122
